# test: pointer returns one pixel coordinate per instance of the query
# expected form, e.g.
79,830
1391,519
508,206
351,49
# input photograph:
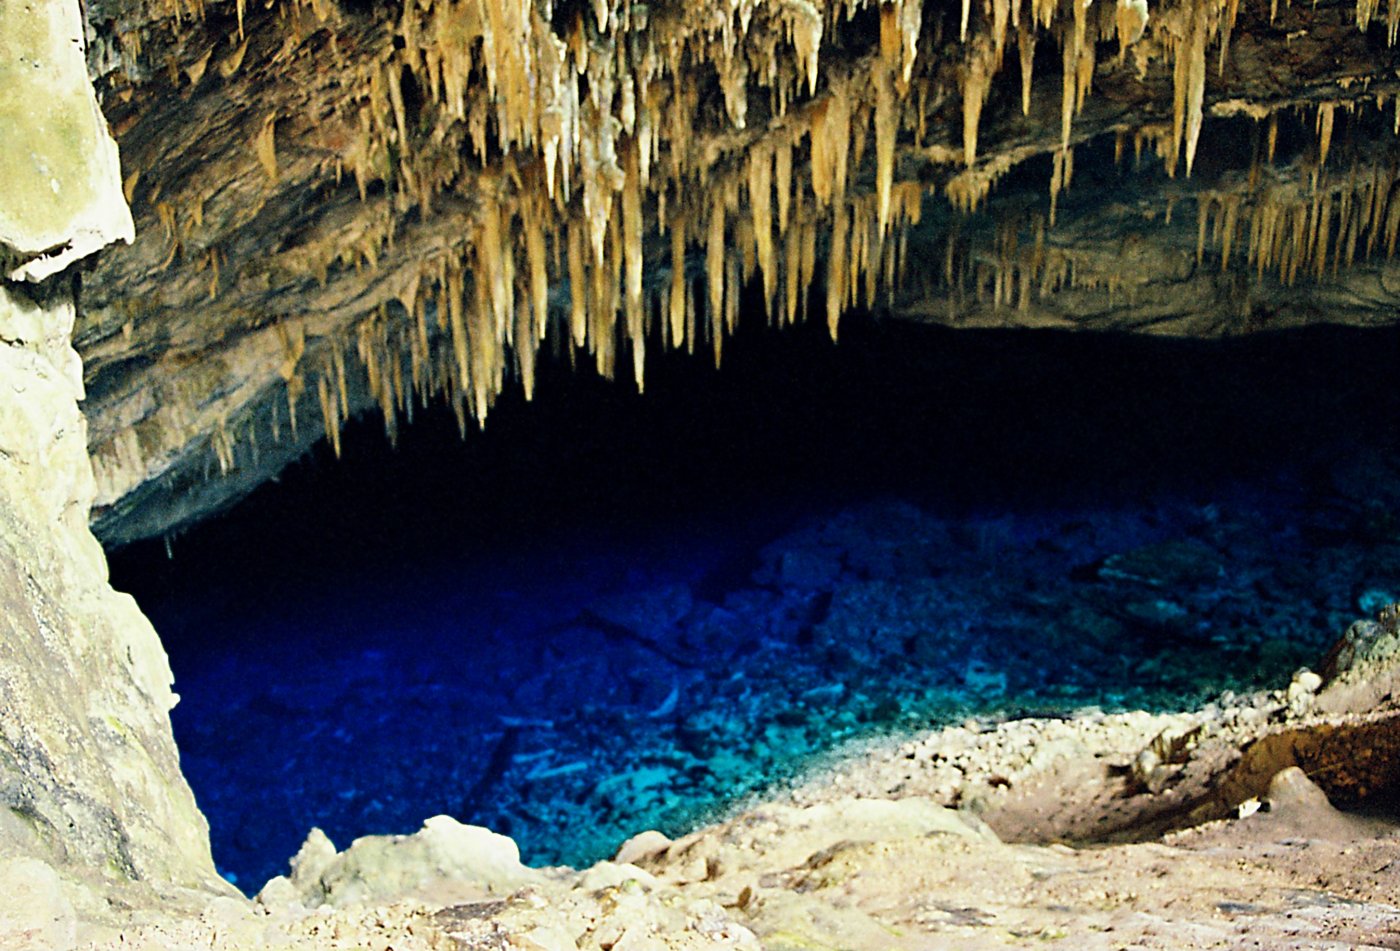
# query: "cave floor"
569,698
871,870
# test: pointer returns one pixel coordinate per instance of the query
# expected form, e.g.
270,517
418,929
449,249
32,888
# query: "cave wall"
91,794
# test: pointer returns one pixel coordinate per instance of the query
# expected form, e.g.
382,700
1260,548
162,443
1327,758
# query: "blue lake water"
609,612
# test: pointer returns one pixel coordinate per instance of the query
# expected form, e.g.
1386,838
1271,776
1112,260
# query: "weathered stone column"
91,796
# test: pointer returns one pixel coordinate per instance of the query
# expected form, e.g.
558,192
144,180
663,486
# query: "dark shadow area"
607,612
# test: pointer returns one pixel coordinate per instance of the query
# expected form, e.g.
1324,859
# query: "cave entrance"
608,612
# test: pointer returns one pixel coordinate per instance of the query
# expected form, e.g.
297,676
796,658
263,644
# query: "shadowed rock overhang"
357,204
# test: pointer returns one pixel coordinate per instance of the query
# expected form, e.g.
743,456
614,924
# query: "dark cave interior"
609,611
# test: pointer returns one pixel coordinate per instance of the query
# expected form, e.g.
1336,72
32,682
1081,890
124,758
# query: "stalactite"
1069,79
782,180
836,271
1188,83
1130,22
1227,230
714,260
536,223
1227,26
1062,171
976,83
1325,115
679,293
330,415
1025,39
911,26
760,187
578,284
792,274
886,132
266,147
632,252
1365,9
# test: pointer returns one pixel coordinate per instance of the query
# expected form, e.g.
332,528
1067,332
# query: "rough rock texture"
61,194
89,777
344,205
874,856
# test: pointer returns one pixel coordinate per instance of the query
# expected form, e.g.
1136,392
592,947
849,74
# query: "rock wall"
93,800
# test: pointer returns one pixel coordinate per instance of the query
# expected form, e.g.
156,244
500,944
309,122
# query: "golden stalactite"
836,271
1195,78
1025,44
886,134
1130,22
679,293
715,253
1274,223
635,261
1326,113
266,147
977,73
760,191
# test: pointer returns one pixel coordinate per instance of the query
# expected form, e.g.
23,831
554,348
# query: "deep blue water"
608,612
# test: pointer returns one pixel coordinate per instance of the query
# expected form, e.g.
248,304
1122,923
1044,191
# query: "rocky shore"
1209,828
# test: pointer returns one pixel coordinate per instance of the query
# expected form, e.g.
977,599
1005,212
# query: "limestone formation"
89,777
59,175
346,206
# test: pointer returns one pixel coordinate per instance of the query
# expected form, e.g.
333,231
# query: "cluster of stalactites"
463,323
1366,10
1020,267
1306,221
1312,220
1298,232
579,148
1181,33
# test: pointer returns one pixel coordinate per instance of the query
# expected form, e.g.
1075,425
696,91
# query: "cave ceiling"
358,204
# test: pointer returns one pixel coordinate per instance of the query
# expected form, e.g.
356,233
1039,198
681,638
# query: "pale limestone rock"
640,846
35,912
1292,789
60,178
88,765
615,874
374,867
1302,691
313,858
89,776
